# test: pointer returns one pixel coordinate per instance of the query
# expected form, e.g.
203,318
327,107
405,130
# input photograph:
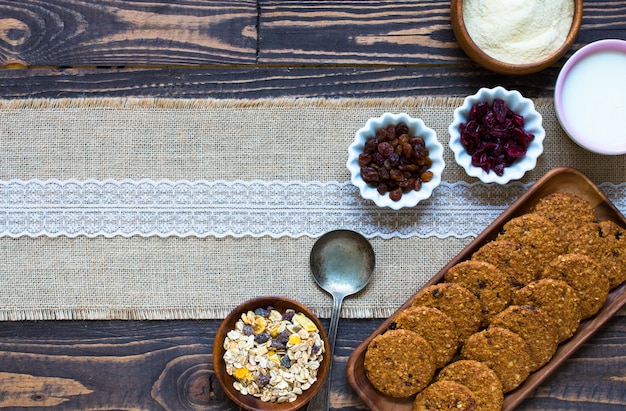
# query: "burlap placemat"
268,140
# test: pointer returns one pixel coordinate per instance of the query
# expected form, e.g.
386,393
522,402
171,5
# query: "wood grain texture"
70,33
244,49
281,48
357,32
265,82
154,365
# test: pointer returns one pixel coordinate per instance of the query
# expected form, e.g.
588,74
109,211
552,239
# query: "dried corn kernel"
259,324
294,339
242,373
305,322
275,331
272,356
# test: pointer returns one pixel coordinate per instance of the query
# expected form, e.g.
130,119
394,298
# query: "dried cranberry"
494,136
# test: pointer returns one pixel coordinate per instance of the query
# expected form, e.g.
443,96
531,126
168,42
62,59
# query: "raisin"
280,342
383,173
385,149
395,194
261,338
396,175
262,380
285,361
288,315
371,145
263,312
365,159
370,175
395,162
427,176
248,330
402,129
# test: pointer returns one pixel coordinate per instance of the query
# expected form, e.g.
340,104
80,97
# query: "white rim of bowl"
577,57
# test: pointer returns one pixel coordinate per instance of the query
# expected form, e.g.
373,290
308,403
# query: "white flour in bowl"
518,31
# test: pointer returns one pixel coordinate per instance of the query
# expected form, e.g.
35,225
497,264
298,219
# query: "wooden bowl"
490,63
250,402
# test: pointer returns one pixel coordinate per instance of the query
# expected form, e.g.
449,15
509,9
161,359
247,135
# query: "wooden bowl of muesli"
270,353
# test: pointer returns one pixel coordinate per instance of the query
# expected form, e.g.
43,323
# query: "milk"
594,99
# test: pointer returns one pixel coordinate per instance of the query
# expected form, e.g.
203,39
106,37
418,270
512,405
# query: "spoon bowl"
342,262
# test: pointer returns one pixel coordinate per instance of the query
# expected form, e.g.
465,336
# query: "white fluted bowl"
532,123
416,128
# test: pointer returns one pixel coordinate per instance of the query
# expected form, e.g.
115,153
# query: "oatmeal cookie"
399,363
606,243
480,379
503,351
445,395
535,327
541,239
509,257
457,302
435,326
585,276
567,211
486,282
556,298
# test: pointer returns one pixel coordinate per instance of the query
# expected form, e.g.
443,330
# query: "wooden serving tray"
561,179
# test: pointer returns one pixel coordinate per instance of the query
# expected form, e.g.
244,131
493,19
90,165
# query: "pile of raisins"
494,136
395,162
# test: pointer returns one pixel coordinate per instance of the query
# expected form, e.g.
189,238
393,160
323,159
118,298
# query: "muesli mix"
272,355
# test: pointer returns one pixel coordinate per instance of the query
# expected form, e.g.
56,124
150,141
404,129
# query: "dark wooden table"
243,49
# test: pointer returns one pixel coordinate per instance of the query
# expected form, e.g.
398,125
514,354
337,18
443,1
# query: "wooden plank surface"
154,365
72,33
243,49
235,49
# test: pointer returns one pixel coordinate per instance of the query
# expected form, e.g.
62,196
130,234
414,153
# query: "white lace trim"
235,208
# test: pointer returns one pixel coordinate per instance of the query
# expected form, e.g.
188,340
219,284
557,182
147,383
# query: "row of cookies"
527,290
426,337
555,266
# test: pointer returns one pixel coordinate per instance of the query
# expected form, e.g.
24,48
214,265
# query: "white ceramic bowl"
589,97
416,128
532,124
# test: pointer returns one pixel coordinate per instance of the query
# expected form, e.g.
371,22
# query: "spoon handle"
321,401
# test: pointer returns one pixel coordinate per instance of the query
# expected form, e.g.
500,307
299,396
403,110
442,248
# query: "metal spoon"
342,263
